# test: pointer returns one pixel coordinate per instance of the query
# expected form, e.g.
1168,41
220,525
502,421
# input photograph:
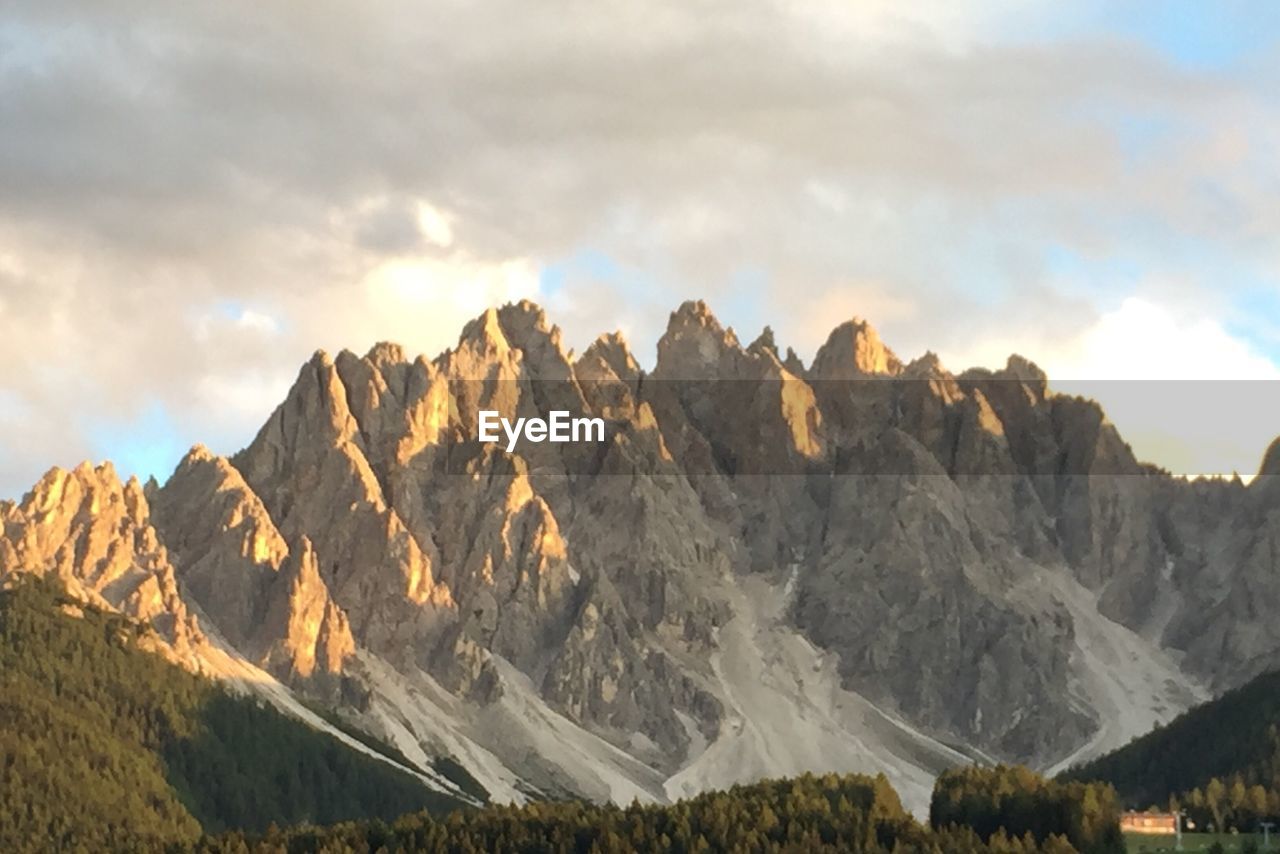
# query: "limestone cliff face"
724,410
517,580
913,594
303,632
913,517
266,598
310,467
1217,586
224,542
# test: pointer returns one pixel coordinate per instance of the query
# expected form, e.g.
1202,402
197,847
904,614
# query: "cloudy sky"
195,196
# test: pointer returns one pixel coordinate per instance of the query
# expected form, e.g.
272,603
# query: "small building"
1149,822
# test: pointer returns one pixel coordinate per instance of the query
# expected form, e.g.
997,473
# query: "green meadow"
1141,843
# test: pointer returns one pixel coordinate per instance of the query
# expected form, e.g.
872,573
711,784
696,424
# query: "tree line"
1001,810
811,813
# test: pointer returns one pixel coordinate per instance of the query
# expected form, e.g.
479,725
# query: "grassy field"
1139,843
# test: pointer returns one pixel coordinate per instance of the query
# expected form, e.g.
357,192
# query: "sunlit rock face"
94,533
884,553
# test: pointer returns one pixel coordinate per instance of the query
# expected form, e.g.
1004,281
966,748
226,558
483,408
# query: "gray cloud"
169,173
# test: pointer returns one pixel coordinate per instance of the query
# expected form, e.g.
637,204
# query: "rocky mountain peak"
385,354
497,353
533,314
223,539
540,344
792,363
695,344
1271,460
928,366
853,350
267,598
526,317
1029,373
323,399
314,419
611,349
520,326
135,498
196,455
484,335
764,343
1024,369
695,312
63,497
95,533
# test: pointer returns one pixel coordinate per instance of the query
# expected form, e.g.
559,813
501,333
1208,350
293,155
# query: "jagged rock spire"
484,334
764,343
610,349
95,534
695,344
1271,460
305,632
854,349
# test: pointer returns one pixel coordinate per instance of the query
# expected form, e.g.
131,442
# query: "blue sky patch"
146,445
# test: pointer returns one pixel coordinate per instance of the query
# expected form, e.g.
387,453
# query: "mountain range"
862,564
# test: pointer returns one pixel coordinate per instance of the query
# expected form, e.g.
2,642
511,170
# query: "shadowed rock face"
912,511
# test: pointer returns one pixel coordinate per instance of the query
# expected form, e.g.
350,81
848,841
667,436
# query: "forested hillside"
106,746
1220,761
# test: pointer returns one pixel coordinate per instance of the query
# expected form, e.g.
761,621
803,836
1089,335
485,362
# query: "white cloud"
1144,341
230,403
805,327
434,225
423,302
354,174
1137,340
256,321
1182,390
